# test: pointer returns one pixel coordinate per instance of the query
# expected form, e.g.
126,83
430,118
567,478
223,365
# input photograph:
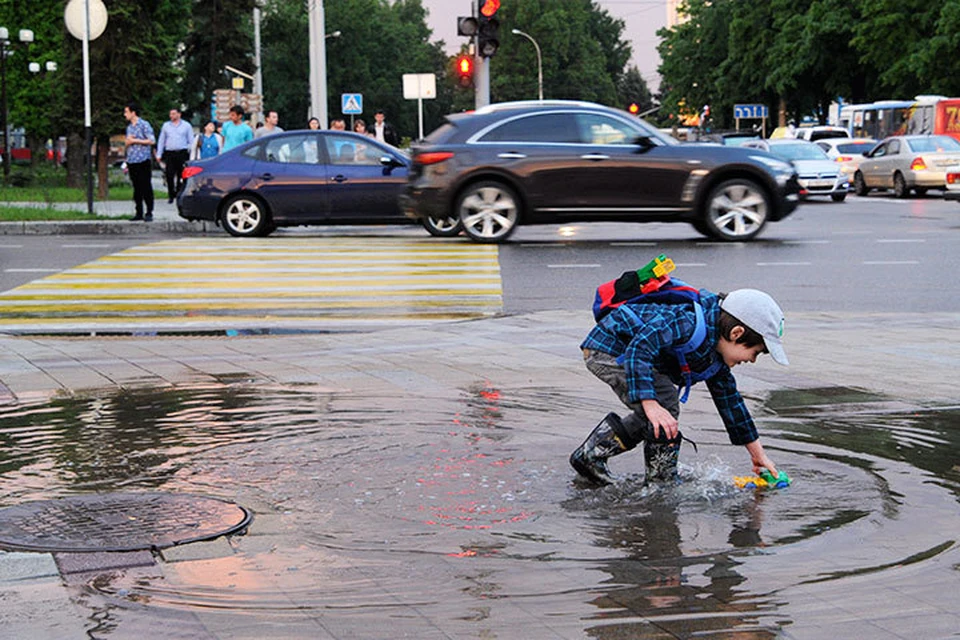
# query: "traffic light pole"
481,77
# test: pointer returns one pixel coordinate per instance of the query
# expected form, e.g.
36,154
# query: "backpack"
652,284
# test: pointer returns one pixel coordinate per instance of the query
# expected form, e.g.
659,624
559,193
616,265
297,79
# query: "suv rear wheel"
736,210
489,211
442,227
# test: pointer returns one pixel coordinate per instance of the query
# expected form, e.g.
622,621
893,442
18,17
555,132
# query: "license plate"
820,183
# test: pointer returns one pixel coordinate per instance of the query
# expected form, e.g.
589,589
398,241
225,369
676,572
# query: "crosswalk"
248,285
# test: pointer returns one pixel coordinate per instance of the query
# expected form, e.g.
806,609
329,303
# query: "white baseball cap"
758,311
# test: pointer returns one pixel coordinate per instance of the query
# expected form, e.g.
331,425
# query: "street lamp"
539,59
26,37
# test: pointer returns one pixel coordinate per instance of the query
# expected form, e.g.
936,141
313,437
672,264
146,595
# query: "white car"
819,132
847,152
818,175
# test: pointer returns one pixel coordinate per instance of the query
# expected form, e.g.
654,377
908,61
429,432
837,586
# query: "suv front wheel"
489,211
736,210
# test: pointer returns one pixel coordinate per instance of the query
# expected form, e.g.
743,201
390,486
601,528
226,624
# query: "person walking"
383,130
236,131
269,126
173,151
338,124
138,141
208,142
360,127
313,124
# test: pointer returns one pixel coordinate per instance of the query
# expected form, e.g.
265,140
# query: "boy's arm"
759,458
737,420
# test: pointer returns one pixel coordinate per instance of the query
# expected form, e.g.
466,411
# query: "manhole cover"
118,522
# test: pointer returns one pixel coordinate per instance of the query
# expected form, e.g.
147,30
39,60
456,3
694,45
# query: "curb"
105,227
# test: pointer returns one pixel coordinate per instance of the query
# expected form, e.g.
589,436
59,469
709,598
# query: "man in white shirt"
173,150
383,130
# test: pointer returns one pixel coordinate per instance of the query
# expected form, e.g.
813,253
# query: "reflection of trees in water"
137,437
659,591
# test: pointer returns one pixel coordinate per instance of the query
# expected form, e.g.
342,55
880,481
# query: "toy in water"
765,480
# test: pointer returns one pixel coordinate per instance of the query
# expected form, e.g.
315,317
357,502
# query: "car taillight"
844,158
189,172
433,157
953,178
918,164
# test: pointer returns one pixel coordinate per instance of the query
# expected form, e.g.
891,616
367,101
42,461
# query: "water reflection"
378,516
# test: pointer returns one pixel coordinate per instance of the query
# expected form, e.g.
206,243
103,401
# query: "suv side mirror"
644,142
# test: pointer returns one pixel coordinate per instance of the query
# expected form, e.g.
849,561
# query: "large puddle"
459,518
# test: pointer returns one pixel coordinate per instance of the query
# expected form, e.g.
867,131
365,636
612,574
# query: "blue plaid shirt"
142,131
643,342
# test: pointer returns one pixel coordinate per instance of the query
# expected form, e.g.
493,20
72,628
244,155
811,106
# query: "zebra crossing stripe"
275,282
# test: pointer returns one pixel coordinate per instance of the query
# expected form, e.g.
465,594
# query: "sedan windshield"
798,151
934,143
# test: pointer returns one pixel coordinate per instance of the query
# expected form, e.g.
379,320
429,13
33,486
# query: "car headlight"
776,165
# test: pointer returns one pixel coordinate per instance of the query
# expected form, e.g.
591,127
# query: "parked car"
299,178
731,138
908,162
521,163
847,152
952,186
818,174
819,132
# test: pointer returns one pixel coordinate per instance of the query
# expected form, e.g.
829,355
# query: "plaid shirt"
643,342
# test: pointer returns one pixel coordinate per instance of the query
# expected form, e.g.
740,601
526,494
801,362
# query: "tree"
133,60
584,53
631,89
220,34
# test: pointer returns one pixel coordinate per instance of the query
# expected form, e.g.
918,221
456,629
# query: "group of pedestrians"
177,144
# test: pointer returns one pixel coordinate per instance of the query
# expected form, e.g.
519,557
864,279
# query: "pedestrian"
313,124
208,142
360,127
383,130
269,126
635,348
173,151
338,124
236,131
138,141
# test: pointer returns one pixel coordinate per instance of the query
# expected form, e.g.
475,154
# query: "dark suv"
553,162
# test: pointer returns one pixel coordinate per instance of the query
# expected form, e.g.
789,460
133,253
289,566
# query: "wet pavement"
413,482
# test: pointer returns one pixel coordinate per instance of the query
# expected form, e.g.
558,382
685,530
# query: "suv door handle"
339,178
266,176
512,155
594,156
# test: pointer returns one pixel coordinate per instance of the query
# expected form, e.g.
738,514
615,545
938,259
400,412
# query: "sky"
642,17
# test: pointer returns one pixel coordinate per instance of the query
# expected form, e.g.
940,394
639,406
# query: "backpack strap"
681,351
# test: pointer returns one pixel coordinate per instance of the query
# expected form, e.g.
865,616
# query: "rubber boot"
608,439
661,457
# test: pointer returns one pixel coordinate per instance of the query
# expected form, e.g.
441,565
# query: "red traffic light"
464,68
489,7
634,108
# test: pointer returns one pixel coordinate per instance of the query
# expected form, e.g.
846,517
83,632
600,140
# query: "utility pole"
318,62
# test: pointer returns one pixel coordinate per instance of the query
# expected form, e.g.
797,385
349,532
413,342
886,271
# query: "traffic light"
487,39
634,108
467,26
464,69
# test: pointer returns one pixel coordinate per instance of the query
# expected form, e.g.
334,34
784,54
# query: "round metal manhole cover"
118,522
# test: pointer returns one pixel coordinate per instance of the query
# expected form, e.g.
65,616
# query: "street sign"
750,111
419,86
351,103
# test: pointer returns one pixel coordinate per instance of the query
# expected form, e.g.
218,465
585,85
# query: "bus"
922,115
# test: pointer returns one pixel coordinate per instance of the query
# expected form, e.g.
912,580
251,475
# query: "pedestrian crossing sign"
351,103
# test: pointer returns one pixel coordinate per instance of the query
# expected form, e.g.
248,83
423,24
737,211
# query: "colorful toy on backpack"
655,273
765,480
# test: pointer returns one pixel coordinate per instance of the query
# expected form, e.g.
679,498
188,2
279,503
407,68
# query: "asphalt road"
870,254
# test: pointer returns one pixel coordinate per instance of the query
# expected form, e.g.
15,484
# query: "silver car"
818,174
903,163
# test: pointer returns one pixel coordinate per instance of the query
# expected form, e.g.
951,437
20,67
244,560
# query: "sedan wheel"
860,185
489,211
245,216
900,189
838,197
442,227
736,210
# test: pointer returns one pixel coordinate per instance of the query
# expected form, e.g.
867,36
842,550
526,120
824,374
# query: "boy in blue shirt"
236,131
634,350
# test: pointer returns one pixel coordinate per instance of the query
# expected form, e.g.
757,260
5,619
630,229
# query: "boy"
634,349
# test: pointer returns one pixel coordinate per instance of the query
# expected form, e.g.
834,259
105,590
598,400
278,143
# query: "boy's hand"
759,458
660,418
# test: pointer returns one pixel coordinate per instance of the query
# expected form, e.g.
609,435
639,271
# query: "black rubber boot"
661,457
609,438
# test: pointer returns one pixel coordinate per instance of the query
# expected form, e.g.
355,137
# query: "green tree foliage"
584,54
220,33
632,88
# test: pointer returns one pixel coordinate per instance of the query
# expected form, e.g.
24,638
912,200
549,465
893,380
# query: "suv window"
545,127
596,128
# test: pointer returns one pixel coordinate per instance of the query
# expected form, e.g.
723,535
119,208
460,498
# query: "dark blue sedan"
300,178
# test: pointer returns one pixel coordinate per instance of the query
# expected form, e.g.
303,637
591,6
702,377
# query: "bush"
22,179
